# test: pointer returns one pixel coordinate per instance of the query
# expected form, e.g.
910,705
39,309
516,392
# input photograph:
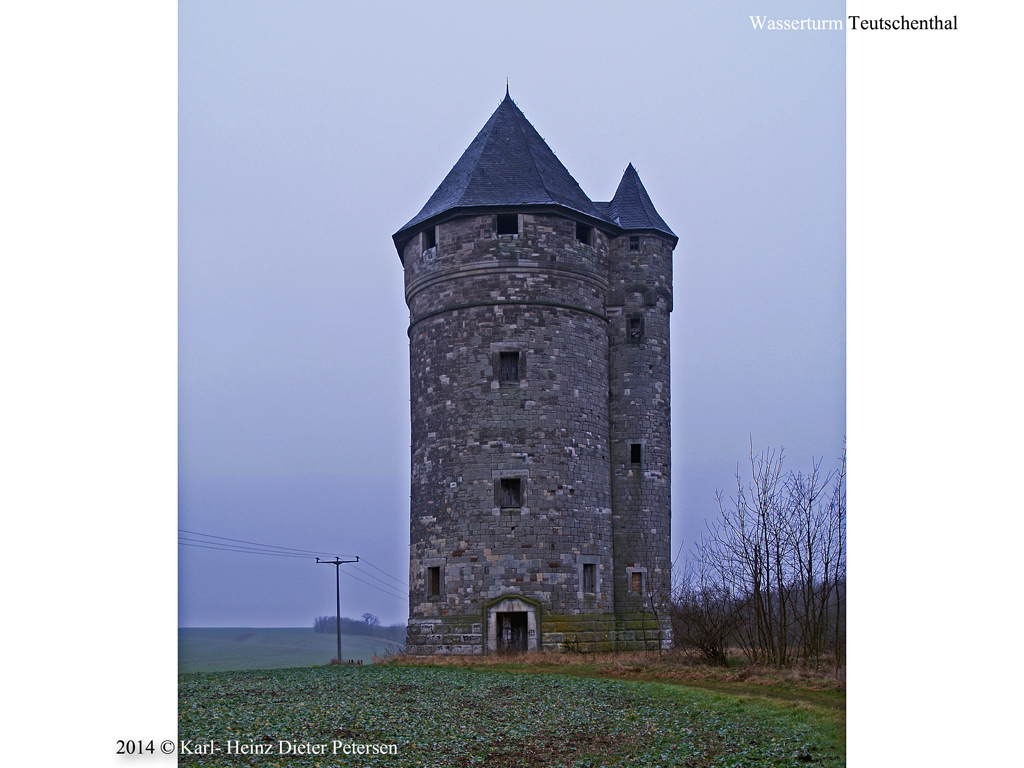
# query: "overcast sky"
309,133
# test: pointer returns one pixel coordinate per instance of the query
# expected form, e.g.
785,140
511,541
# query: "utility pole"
337,592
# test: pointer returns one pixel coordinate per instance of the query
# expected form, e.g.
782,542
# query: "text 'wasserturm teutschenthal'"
855,22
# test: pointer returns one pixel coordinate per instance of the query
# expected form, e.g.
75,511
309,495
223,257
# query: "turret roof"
631,207
509,164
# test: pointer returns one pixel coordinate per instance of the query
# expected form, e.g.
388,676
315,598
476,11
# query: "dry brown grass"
670,667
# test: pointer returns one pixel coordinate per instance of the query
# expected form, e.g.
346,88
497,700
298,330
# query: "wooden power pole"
337,593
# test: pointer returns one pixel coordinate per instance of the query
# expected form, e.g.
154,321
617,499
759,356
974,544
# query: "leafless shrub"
770,574
705,616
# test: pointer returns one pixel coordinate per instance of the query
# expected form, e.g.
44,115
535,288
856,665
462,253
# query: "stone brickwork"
471,299
639,302
539,378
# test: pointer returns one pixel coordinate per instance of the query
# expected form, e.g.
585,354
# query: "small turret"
638,306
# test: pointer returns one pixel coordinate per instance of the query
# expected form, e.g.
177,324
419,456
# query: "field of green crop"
212,650
457,717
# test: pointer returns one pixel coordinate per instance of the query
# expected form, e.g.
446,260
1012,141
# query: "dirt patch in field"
546,750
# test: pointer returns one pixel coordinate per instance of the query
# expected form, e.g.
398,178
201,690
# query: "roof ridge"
518,113
645,199
550,168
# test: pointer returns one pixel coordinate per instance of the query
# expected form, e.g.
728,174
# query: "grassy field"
213,650
823,688
451,716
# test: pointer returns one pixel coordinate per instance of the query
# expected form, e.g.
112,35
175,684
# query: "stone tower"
539,362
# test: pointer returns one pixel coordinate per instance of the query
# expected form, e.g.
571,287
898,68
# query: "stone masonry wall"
472,296
589,388
639,414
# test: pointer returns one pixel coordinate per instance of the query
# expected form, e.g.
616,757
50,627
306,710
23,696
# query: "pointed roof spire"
507,164
631,207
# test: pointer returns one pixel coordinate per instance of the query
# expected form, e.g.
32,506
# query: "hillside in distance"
224,649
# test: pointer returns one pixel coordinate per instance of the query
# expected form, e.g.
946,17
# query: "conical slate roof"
509,164
631,207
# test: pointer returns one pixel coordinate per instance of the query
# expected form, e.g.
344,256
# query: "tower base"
515,625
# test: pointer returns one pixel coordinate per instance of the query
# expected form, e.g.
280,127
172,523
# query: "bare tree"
810,557
753,537
771,571
836,568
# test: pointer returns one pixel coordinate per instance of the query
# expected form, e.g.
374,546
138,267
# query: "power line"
237,548
240,551
377,578
256,548
255,543
403,583
379,589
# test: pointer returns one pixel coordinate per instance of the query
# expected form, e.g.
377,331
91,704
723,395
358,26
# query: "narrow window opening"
434,581
511,492
429,238
636,581
589,577
636,329
508,224
635,453
634,242
583,233
508,368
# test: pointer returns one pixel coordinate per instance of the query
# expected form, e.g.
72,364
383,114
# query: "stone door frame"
511,604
